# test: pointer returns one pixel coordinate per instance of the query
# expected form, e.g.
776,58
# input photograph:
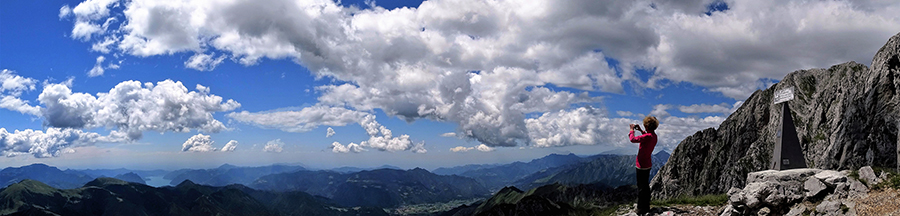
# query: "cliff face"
847,116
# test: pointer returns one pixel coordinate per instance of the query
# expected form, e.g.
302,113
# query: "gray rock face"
831,177
829,207
841,113
789,192
866,173
813,187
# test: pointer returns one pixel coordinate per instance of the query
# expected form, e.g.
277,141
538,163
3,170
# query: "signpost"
787,153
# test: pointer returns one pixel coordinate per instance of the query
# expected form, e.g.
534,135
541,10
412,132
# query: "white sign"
784,95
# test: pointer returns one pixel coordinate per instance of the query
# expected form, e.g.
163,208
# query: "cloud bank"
126,110
506,72
49,143
133,107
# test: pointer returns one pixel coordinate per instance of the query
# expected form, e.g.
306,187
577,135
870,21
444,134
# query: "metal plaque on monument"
787,153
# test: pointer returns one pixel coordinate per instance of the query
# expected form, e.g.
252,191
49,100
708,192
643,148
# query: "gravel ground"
674,210
885,202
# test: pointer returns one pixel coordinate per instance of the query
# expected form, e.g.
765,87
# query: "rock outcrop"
847,116
797,191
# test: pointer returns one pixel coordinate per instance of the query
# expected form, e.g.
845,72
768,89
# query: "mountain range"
496,177
551,199
275,187
380,188
49,175
611,170
228,174
847,116
108,196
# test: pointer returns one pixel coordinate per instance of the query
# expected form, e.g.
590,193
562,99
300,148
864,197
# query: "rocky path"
885,202
674,210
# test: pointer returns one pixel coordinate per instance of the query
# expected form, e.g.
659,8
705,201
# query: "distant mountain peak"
227,166
103,181
508,189
186,183
28,186
663,152
38,165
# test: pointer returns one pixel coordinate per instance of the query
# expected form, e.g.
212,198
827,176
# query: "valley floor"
430,208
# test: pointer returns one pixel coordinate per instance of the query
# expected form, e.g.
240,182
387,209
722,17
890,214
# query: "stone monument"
787,153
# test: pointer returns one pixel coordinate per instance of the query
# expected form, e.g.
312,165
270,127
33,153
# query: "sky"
146,84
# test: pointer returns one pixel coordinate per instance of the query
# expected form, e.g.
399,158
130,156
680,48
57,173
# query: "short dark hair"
650,123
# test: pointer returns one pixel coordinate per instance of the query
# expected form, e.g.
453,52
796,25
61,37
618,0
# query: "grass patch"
892,181
610,210
854,174
705,200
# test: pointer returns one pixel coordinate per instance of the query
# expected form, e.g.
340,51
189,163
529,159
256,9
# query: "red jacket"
645,151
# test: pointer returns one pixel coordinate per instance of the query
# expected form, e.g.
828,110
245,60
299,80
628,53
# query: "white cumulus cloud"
329,132
380,138
480,147
133,107
11,87
486,65
275,146
337,147
203,62
98,67
230,146
302,120
198,143
49,143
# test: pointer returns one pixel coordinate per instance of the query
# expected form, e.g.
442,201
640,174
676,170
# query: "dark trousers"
643,183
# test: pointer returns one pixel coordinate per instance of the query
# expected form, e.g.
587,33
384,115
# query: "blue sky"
468,81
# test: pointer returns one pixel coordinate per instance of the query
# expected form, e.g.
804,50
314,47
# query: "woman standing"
647,141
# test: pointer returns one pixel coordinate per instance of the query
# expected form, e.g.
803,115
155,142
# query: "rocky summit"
847,116
801,192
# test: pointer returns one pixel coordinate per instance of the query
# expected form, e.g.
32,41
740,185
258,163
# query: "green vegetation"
808,85
854,174
892,181
819,136
611,210
705,200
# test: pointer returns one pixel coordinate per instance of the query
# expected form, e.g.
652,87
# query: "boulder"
814,187
831,177
829,207
797,210
729,211
777,190
798,175
857,188
868,175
